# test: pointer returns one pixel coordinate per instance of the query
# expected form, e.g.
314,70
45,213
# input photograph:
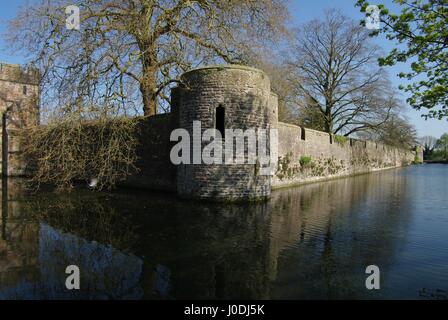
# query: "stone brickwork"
245,101
19,106
245,95
307,155
304,155
155,170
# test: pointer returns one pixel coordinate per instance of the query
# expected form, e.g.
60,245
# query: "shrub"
305,161
340,139
70,149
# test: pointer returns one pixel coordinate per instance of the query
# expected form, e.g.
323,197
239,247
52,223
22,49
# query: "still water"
313,241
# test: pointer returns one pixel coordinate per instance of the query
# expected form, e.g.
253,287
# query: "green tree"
421,28
429,143
310,116
442,145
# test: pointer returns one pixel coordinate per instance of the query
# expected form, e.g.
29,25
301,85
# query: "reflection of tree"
87,215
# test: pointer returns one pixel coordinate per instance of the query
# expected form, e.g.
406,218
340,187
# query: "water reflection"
336,230
314,241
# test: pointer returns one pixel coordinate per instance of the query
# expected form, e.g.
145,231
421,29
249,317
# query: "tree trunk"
328,118
149,97
148,89
148,83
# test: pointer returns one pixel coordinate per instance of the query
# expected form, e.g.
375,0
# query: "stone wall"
19,106
245,95
307,155
155,170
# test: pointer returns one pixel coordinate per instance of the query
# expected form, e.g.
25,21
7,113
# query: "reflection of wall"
327,239
18,245
106,273
212,252
33,255
154,246
136,246
18,254
189,249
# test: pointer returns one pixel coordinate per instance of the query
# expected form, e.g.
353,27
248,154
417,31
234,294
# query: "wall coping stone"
225,66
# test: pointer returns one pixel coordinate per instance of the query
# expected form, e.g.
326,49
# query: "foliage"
429,144
71,149
435,149
305,161
340,139
421,27
442,146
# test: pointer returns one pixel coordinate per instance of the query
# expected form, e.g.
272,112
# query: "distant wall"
308,155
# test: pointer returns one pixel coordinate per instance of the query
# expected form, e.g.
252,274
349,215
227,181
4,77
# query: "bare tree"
276,70
396,131
335,70
428,143
128,52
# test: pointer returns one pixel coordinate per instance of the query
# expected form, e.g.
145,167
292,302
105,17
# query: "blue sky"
302,11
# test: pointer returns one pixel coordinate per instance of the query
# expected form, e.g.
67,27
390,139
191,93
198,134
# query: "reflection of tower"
224,97
221,253
18,245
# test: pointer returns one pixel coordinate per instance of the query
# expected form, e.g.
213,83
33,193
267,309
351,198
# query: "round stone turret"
223,98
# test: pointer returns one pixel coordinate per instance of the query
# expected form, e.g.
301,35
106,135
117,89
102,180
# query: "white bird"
93,182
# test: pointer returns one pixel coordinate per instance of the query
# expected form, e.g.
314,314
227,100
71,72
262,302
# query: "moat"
310,242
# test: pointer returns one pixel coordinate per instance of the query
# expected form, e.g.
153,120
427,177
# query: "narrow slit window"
219,120
24,90
302,133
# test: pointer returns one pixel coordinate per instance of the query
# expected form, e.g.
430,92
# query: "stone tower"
224,97
19,107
